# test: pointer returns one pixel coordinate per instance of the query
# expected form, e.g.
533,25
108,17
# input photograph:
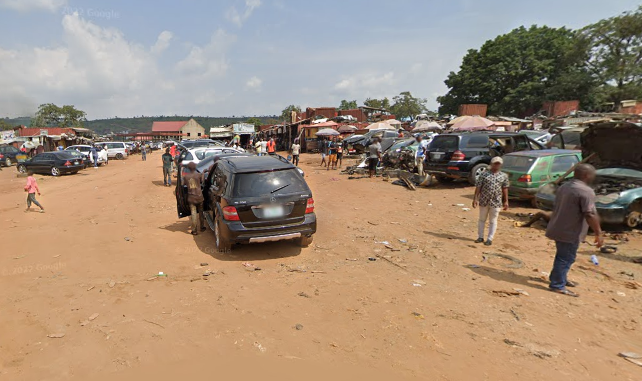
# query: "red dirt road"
419,311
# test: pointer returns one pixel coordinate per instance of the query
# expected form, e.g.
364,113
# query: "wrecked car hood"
615,145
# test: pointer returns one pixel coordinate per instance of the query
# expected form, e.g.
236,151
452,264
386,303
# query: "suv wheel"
305,241
7,162
119,156
22,168
476,172
223,245
55,171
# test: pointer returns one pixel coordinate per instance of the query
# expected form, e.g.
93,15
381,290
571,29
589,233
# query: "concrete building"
180,130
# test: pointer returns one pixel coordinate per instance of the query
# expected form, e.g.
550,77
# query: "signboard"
243,128
43,132
8,135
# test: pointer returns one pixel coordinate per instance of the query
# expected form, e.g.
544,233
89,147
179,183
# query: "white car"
116,150
196,155
84,150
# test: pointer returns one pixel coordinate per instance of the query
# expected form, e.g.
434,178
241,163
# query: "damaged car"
613,148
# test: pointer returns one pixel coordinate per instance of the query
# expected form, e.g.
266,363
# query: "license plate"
21,157
437,155
76,163
273,211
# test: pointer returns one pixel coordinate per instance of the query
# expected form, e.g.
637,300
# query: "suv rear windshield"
264,183
518,163
443,142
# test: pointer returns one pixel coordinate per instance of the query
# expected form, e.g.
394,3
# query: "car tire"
223,245
55,171
22,169
304,241
444,179
119,156
633,220
7,162
476,172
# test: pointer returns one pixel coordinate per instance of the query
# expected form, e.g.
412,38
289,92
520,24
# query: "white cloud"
32,5
254,83
234,16
361,83
208,61
162,43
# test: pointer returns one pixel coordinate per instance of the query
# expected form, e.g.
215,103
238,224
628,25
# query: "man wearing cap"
491,194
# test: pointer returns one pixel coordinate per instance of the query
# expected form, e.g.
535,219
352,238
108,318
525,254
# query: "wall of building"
473,109
356,113
192,130
560,108
326,112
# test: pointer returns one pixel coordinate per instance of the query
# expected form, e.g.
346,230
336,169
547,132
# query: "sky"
249,57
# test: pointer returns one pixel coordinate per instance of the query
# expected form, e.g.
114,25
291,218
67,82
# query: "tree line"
515,73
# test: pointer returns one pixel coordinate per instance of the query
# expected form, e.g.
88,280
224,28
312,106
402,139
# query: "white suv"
116,150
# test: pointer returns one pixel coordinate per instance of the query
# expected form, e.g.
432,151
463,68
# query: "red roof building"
189,129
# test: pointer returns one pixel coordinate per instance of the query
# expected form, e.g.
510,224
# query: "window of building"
188,134
199,134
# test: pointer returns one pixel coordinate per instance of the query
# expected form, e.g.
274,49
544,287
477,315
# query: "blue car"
615,150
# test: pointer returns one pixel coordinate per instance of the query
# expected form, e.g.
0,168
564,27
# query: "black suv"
251,199
467,155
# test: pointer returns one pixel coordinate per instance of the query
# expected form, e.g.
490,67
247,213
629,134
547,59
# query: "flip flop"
570,283
608,249
565,292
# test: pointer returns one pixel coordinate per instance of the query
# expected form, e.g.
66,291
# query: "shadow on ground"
508,276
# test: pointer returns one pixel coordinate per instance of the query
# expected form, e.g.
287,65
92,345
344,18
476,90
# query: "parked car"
359,143
253,199
618,186
568,138
116,150
467,155
201,143
529,170
85,151
195,155
206,164
54,163
540,136
10,154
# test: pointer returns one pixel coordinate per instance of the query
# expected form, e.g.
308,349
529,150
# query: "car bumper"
609,214
235,232
522,193
71,168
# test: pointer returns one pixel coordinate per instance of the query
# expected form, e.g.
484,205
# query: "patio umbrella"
347,129
458,119
425,126
393,122
328,132
473,123
380,126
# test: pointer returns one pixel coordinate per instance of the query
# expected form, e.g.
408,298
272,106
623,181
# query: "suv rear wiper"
279,188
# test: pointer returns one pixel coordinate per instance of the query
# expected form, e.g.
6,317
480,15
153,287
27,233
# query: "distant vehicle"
359,143
529,170
201,143
117,150
253,199
540,136
10,154
567,139
404,148
467,155
195,155
85,150
54,163
618,186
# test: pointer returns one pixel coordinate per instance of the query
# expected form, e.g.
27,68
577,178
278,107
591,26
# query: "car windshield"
518,163
264,183
445,142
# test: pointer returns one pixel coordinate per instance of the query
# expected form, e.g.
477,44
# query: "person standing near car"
374,156
193,180
491,194
421,154
167,167
573,214
32,188
263,146
104,155
94,155
271,146
296,151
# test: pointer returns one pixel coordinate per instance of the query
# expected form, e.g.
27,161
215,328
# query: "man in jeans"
167,167
573,213
194,181
421,152
491,194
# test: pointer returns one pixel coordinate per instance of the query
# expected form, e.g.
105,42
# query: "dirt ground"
431,306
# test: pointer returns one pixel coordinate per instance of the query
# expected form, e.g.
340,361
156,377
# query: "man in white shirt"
263,146
421,153
296,150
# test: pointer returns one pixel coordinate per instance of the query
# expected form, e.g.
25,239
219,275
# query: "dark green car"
529,170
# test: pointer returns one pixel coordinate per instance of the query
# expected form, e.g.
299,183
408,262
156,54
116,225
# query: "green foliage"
4,125
348,105
286,114
50,115
516,72
255,121
377,103
407,106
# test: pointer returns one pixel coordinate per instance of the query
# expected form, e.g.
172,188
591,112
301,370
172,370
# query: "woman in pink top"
32,188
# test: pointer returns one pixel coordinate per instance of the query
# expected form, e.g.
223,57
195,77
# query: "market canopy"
473,123
393,122
380,126
324,124
327,132
347,129
426,126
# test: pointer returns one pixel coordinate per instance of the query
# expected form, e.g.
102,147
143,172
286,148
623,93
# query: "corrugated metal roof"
52,131
168,126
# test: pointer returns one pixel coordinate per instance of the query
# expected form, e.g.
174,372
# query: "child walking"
31,188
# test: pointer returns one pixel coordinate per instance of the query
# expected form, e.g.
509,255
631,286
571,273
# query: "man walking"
296,151
143,152
93,152
271,146
374,156
573,214
332,153
194,180
491,194
324,151
258,147
32,188
263,146
167,167
421,153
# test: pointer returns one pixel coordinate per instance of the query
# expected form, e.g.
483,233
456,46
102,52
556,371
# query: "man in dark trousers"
573,214
194,180
167,167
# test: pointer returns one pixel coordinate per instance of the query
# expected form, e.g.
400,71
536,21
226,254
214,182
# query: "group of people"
265,147
332,149
568,224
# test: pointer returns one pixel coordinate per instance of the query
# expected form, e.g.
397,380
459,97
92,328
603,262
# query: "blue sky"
248,57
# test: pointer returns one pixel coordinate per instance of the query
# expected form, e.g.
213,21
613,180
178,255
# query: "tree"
255,121
377,103
615,46
286,114
50,115
72,117
348,105
407,106
516,72
4,125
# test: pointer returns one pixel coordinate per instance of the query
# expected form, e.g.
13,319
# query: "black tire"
7,162
304,241
21,168
477,170
119,156
223,245
54,171
444,179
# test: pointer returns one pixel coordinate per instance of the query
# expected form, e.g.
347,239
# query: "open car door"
182,207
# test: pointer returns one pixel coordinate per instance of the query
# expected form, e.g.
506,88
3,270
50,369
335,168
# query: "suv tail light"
1,156
458,156
230,213
309,207
525,179
67,163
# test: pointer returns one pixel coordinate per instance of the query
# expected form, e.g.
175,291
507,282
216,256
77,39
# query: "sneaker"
479,240
42,210
488,243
